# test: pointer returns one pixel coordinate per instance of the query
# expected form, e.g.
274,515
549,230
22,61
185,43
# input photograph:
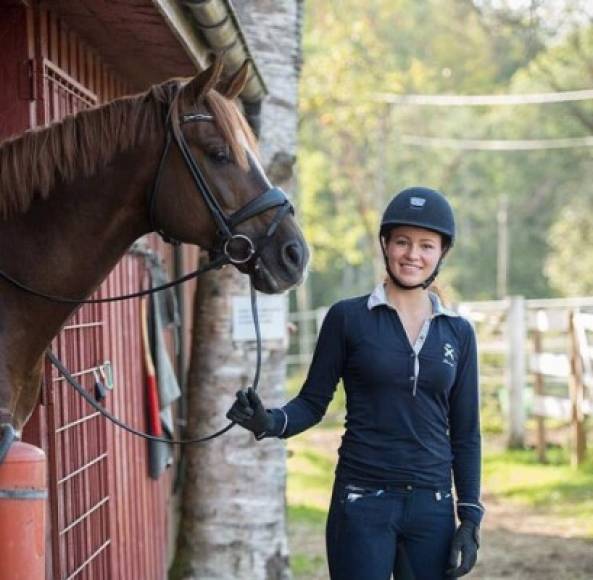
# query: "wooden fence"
547,352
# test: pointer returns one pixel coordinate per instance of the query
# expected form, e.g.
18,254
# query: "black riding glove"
466,542
248,411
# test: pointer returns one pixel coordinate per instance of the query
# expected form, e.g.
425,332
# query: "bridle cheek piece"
230,246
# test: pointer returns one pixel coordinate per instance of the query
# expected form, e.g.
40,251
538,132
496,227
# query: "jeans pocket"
353,493
443,501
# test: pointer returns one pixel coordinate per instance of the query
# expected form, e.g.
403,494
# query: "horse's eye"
219,156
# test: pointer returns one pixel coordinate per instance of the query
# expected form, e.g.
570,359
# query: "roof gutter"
214,23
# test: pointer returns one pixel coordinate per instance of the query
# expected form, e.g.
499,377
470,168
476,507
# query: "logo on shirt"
448,354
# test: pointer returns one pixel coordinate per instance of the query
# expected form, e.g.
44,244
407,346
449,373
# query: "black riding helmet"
423,208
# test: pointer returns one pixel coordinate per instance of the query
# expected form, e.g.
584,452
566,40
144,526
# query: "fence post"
577,396
304,330
538,389
517,337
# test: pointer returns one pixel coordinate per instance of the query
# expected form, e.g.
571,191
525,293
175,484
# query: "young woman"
410,373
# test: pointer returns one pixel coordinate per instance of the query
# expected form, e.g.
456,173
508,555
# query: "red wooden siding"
15,85
108,519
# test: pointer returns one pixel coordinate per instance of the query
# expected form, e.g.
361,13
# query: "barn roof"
150,41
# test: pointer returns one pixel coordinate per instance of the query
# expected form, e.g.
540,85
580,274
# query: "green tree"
352,154
569,266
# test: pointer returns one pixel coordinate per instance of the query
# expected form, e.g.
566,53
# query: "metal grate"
62,94
78,454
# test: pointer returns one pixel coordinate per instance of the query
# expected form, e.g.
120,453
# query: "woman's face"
413,253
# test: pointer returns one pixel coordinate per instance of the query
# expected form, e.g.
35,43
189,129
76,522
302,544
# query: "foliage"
353,160
569,264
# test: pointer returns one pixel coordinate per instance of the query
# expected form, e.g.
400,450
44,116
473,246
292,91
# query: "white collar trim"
379,298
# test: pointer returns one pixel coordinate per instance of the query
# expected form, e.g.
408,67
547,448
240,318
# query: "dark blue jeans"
366,523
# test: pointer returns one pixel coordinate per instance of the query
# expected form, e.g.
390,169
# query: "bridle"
229,247
238,248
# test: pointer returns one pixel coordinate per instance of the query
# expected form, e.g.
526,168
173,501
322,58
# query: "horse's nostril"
292,252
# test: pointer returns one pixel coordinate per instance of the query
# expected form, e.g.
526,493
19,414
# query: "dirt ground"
517,544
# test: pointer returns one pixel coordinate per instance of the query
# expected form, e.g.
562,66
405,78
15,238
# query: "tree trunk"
233,506
232,521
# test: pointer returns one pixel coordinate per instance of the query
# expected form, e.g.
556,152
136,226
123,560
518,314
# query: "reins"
223,253
93,403
213,265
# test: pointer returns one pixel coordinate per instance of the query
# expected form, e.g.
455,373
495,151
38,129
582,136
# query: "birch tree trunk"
232,523
233,505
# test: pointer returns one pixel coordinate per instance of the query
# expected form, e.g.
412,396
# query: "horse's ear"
233,87
205,81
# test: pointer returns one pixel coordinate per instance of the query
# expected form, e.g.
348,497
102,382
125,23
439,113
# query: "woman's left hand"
465,547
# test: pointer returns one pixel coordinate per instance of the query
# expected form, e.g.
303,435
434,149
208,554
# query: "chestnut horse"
179,159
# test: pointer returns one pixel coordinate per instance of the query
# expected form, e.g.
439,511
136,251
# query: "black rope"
91,401
213,265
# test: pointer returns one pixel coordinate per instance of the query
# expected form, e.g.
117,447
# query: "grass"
554,488
311,461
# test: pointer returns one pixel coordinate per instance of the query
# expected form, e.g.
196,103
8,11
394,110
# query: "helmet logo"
417,201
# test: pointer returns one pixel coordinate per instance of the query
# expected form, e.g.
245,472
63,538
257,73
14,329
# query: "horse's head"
213,192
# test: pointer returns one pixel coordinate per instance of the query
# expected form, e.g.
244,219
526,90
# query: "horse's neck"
67,244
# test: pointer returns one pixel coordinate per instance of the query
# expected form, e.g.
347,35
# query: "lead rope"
91,401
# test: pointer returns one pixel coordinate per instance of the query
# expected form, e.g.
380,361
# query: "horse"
179,159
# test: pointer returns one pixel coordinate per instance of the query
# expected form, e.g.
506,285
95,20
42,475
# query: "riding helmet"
421,207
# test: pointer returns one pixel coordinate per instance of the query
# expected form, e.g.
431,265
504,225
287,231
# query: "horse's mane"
81,144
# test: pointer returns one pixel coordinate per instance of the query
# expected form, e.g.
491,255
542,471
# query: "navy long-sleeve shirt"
412,411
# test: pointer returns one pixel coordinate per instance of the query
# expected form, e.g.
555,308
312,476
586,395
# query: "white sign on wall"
272,317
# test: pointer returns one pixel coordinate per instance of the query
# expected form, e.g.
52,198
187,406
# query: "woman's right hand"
249,412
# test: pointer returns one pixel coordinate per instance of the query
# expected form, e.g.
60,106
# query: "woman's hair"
439,292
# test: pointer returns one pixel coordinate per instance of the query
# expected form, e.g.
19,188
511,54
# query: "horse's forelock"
233,126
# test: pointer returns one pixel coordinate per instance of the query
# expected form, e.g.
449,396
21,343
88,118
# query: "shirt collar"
379,298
